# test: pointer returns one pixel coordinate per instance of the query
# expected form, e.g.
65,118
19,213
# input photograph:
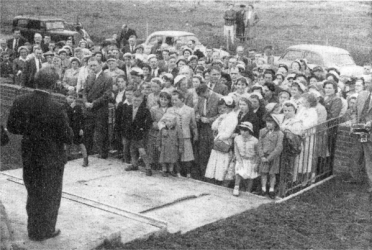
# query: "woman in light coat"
224,126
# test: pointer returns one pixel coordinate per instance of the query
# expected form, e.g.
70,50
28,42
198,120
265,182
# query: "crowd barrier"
314,163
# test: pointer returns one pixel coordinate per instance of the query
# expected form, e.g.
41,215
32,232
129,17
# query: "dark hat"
268,47
283,66
269,71
242,6
286,91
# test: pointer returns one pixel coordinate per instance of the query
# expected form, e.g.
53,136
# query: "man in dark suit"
131,46
215,84
44,126
206,113
136,122
155,70
96,96
16,42
32,67
124,35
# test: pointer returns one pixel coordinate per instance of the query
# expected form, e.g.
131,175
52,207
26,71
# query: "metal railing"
314,163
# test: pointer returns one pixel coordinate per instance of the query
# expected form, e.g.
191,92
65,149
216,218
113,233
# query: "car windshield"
185,39
55,25
340,59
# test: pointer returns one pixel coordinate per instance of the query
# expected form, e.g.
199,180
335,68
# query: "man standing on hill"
230,19
44,126
124,35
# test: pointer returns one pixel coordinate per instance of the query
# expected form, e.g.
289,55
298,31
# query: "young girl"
245,149
170,144
270,146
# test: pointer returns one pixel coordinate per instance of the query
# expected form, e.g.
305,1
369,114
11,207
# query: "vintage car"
319,55
169,37
55,27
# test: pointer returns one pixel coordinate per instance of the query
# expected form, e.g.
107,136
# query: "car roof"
318,49
41,18
172,33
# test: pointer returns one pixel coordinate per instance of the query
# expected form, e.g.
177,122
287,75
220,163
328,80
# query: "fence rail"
314,163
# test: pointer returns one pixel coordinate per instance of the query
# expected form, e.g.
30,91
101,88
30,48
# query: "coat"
270,146
44,126
361,101
18,65
333,106
21,42
252,118
211,108
221,89
185,120
29,73
137,128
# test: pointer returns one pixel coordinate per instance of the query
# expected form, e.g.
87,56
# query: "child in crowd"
76,121
270,146
245,149
135,124
123,106
170,144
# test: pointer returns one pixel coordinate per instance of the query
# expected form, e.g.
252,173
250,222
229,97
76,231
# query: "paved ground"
105,202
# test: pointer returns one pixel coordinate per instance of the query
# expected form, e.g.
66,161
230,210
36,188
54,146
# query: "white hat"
278,118
301,85
136,71
179,78
128,55
257,94
151,56
270,107
168,75
229,101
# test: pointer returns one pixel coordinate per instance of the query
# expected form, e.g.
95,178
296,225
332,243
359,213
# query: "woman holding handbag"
221,153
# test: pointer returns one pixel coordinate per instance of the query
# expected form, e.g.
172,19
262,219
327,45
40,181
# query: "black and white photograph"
185,124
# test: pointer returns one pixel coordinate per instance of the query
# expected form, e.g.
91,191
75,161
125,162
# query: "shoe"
188,175
236,191
164,174
148,172
36,238
261,192
179,175
272,195
102,156
86,163
52,235
131,168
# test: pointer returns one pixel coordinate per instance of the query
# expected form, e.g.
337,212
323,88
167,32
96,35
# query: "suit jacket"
21,42
157,72
333,106
28,74
126,49
221,89
212,107
137,128
98,92
361,101
174,71
44,126
124,68
199,54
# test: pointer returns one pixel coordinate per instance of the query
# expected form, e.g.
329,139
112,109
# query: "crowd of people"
182,111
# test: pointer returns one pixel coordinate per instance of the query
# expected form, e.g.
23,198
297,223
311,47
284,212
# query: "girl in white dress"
245,149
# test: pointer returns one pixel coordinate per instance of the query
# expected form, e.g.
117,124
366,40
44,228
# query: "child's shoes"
236,191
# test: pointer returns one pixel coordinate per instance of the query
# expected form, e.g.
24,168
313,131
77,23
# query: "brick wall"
343,152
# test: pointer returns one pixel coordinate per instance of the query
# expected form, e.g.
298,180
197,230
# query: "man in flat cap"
124,34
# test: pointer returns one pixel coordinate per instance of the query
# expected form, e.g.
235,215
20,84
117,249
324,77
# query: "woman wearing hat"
297,90
333,103
224,126
70,77
62,53
246,154
19,64
49,59
187,53
241,91
296,67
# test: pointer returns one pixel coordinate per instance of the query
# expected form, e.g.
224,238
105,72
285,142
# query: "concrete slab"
103,197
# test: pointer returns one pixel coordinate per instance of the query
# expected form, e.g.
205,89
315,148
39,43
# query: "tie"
131,49
15,44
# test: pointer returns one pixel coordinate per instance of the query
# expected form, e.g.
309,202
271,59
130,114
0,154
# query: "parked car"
169,37
55,27
324,56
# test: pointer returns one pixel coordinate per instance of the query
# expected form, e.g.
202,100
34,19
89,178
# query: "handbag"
4,136
221,146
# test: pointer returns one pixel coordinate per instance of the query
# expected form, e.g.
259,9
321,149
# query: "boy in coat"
135,124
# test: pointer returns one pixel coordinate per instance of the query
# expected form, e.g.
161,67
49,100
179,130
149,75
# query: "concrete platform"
104,202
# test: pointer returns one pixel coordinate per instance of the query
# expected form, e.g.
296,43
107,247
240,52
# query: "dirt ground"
334,215
345,24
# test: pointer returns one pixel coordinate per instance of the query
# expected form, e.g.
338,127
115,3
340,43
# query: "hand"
81,132
204,120
197,117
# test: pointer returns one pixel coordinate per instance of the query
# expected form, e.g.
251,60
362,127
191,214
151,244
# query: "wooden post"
147,28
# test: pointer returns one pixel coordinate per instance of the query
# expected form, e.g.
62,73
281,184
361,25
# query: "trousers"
361,159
